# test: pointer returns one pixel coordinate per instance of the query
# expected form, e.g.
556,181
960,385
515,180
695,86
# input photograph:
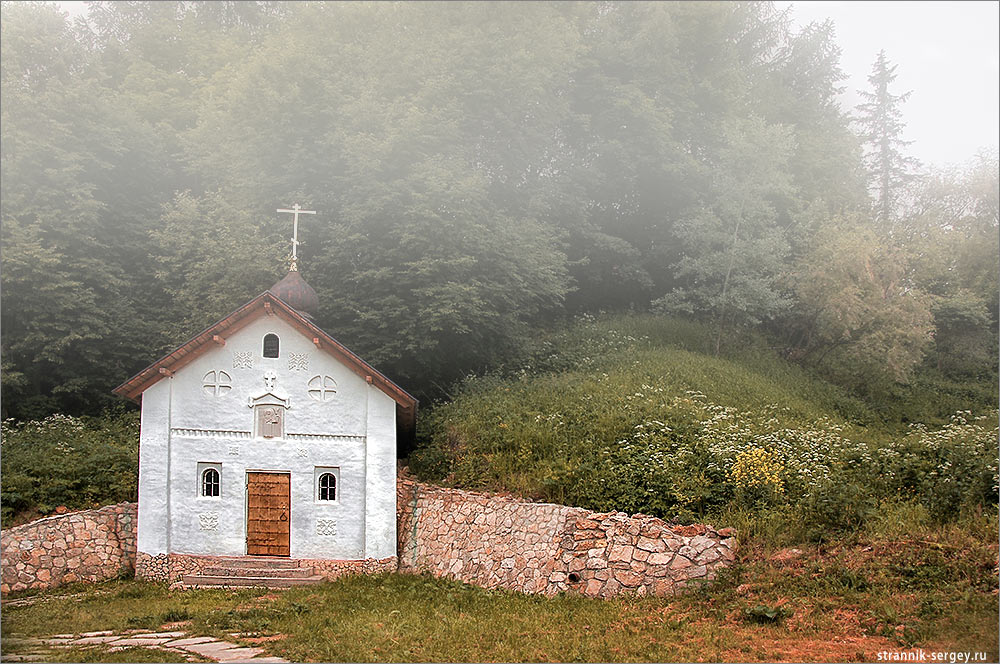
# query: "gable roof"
267,303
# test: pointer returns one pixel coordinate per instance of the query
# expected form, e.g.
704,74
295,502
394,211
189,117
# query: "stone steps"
258,562
206,581
252,571
282,572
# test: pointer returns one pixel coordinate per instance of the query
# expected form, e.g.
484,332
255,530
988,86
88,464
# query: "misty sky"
948,54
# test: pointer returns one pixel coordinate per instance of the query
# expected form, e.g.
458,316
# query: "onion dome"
296,293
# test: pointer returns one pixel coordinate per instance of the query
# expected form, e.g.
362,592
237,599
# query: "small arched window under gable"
271,344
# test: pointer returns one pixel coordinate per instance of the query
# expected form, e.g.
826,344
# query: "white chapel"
266,446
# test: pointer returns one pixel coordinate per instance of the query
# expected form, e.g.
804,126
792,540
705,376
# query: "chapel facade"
266,444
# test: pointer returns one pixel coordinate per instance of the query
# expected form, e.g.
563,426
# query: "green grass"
843,601
678,352
911,573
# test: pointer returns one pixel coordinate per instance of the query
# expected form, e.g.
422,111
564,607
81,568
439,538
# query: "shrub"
756,477
63,460
945,469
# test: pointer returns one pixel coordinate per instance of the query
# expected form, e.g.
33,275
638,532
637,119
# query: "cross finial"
295,210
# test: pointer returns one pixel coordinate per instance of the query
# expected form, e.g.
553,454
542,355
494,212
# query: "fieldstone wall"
494,541
92,545
499,541
172,567
332,569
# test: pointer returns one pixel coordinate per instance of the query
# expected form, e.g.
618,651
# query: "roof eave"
139,383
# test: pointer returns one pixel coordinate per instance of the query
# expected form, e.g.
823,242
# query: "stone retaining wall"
488,540
501,542
92,545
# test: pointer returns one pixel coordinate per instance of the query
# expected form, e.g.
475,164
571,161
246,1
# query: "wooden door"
268,513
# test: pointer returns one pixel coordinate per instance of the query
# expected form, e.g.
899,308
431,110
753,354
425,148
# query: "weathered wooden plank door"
269,511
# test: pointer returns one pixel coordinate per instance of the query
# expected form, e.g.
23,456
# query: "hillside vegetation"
69,462
628,413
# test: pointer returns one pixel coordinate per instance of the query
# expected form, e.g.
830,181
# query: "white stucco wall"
154,427
355,431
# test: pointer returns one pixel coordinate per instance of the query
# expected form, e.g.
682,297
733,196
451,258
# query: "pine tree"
880,118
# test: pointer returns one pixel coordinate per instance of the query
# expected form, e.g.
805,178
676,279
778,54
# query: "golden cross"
296,210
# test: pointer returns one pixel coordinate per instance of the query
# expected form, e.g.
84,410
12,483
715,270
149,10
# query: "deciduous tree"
857,309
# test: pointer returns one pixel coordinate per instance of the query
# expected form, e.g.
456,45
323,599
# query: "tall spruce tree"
881,121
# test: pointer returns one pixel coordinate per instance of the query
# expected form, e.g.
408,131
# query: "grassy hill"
631,413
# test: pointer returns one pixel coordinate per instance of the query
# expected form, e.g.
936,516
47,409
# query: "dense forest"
481,171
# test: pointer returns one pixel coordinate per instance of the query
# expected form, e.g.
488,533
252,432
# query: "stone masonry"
173,567
92,545
494,541
498,541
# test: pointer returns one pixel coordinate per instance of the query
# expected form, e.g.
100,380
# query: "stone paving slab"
153,635
223,651
189,641
91,640
206,646
136,641
236,655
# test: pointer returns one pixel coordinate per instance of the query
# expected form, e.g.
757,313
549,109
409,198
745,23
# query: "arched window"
327,486
271,345
210,483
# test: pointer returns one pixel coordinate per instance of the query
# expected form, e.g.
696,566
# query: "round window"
217,383
322,388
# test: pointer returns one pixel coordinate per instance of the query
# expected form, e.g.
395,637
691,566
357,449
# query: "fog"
483,173
948,54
